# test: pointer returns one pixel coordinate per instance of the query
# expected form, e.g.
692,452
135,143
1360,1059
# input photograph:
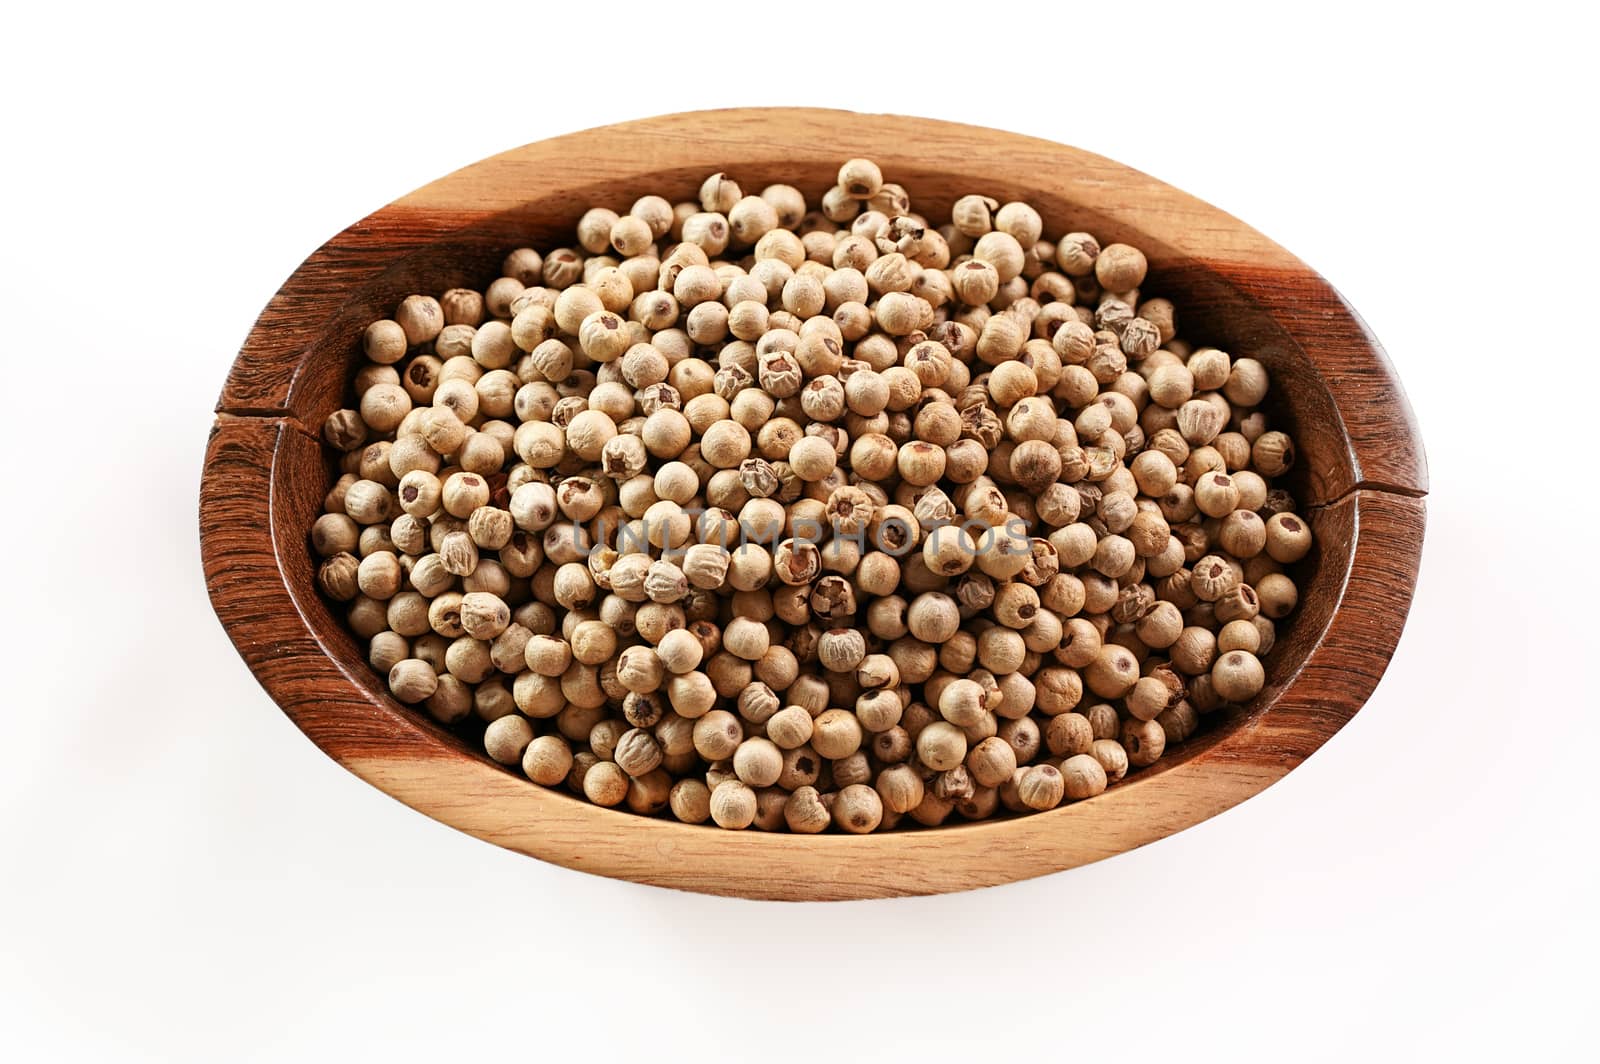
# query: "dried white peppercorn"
882,496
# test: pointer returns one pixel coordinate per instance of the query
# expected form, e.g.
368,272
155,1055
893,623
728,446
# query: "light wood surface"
1361,469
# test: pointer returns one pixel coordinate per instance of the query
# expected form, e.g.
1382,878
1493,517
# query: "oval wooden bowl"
1361,477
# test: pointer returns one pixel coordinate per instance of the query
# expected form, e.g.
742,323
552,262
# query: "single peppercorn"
507,738
1039,787
1288,538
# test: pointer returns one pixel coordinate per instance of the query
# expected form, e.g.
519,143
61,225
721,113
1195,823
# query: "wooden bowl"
1361,477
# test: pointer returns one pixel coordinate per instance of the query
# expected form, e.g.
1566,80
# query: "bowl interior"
1210,310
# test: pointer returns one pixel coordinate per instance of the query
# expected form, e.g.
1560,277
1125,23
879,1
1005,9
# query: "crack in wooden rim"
265,474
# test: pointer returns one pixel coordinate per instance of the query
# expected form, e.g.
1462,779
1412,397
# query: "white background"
184,877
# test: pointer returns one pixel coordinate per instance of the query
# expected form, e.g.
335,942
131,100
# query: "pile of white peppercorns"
796,518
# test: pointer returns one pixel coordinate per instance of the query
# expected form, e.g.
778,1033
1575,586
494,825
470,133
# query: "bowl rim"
259,428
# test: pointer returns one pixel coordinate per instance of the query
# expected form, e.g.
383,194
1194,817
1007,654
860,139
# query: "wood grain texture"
1361,466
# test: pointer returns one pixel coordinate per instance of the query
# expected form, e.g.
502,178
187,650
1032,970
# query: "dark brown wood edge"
249,566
